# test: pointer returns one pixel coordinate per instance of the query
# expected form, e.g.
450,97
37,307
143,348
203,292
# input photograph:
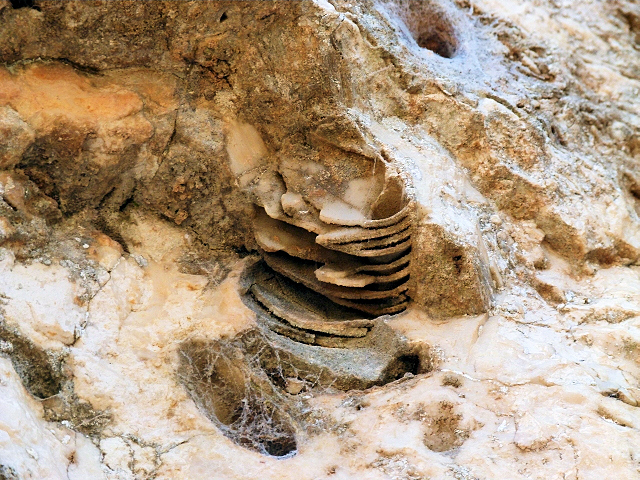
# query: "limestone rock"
325,239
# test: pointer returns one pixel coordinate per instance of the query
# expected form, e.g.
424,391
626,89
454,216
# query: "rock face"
378,239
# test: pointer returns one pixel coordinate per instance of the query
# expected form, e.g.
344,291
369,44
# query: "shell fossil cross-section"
356,259
335,236
344,243
346,239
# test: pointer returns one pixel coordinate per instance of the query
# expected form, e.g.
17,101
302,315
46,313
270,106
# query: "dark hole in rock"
603,256
78,414
437,42
457,261
631,183
126,203
43,374
277,377
429,25
223,17
237,396
110,225
24,4
40,371
405,364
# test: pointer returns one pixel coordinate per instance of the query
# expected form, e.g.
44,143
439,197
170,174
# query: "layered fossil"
304,336
342,231
355,259
517,143
335,237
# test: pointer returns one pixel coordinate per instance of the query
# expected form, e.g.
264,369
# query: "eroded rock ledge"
386,239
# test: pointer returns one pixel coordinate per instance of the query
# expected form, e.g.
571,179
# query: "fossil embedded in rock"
320,342
335,239
350,243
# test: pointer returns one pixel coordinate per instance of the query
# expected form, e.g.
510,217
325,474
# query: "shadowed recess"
237,398
24,4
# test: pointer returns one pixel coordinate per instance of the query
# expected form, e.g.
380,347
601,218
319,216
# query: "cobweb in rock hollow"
259,409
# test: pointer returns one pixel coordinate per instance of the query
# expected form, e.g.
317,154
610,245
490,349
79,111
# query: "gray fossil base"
341,349
381,360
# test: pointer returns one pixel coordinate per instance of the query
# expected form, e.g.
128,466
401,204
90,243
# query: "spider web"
250,391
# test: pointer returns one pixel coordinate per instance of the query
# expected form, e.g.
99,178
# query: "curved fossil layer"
346,239
304,273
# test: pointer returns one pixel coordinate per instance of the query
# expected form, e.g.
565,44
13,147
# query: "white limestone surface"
529,391
33,448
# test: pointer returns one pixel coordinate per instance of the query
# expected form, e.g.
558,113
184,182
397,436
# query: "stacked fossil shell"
337,249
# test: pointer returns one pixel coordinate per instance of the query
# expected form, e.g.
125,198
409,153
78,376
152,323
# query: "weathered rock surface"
456,184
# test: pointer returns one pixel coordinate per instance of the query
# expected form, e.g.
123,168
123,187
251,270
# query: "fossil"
335,241
348,240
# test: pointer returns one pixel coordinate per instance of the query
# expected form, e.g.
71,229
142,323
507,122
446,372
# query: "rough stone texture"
16,137
126,133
